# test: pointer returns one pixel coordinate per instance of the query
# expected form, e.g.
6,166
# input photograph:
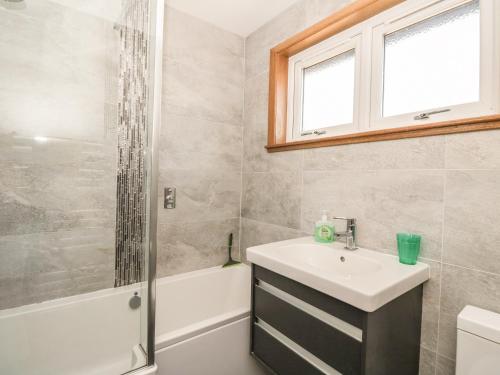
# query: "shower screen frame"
157,9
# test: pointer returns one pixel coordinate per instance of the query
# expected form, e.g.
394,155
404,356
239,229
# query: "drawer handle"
297,349
331,320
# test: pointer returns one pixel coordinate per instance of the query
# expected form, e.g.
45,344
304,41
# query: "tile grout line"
242,150
471,269
399,169
443,212
200,118
271,172
448,358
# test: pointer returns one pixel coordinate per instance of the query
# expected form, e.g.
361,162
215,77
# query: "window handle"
426,115
315,132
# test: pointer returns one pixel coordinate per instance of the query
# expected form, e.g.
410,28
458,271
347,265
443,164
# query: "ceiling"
241,17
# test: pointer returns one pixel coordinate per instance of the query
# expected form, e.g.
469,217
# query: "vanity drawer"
320,300
340,347
278,357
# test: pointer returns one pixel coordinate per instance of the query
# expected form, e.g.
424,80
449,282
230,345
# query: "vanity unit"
320,309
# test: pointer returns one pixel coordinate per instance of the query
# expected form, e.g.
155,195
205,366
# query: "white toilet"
478,342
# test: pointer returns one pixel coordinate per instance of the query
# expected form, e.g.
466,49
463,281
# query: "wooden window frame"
344,19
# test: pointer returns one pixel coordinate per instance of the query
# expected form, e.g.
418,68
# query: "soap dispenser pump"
324,231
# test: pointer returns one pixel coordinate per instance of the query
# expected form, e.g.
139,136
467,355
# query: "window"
417,63
326,91
433,63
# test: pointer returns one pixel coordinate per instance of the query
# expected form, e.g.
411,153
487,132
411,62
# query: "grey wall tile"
416,153
29,253
256,99
13,292
191,91
296,18
259,43
445,366
461,287
316,10
257,159
384,202
427,362
55,184
430,307
194,42
41,266
202,194
193,143
201,143
477,150
255,233
47,286
272,197
57,152
59,86
19,291
472,234
203,70
184,247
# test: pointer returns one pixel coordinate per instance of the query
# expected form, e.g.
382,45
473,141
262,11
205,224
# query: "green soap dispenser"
324,231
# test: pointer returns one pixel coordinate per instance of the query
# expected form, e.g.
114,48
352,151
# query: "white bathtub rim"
45,305
150,370
70,300
185,333
89,296
191,274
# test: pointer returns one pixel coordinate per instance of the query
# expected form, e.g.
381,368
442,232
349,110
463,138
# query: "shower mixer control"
169,198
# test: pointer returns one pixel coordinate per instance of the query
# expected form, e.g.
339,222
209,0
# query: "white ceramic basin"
325,259
363,278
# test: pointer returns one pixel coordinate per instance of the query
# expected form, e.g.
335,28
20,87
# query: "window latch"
426,115
315,132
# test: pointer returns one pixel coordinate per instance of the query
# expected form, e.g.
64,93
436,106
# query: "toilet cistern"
478,342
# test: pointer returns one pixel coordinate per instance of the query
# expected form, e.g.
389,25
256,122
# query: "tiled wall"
57,152
58,149
200,144
447,188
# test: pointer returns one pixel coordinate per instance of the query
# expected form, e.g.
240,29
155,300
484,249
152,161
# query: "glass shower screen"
75,182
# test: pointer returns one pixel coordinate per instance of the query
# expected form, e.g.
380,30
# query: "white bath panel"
222,351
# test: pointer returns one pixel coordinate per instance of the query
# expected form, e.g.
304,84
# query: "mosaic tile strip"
132,133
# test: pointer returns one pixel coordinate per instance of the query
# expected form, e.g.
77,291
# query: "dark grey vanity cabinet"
297,330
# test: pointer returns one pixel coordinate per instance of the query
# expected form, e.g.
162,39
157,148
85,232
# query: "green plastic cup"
408,247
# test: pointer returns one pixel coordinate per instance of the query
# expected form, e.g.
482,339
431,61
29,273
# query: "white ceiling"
241,17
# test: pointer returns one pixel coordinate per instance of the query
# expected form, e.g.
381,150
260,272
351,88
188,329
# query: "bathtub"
89,334
203,323
202,328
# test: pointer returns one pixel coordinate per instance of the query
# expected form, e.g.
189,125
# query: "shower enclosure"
79,117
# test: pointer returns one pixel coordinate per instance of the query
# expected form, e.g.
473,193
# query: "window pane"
329,92
433,63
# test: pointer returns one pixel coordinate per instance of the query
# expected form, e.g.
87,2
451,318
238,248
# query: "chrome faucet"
349,234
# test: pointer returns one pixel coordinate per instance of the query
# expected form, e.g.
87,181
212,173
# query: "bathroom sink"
362,278
328,260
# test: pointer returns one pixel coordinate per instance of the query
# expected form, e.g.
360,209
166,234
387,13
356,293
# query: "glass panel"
433,63
74,170
329,92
